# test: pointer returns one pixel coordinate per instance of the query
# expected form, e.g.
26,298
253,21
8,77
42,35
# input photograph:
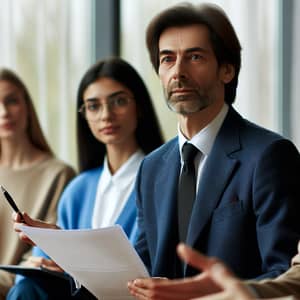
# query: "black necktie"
186,189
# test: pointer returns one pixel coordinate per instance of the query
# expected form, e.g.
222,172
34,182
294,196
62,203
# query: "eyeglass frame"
111,98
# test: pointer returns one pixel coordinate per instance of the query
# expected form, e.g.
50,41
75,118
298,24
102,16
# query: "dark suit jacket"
247,206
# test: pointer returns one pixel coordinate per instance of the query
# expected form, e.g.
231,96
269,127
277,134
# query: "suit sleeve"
141,245
286,284
276,197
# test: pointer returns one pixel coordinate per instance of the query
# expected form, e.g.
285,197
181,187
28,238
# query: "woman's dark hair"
91,152
224,40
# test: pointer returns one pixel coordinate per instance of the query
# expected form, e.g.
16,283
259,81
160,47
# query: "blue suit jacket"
246,210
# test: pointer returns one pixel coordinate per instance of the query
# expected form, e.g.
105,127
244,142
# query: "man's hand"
28,221
216,282
232,288
157,288
145,288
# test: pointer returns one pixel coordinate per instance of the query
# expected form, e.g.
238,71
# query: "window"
48,44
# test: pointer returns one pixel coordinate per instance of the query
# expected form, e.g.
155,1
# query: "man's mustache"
179,84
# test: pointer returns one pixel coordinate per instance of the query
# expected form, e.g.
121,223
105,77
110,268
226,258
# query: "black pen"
11,202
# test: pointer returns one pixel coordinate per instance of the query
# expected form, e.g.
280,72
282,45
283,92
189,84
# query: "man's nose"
179,69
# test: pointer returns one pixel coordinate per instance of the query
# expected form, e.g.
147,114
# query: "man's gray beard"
203,103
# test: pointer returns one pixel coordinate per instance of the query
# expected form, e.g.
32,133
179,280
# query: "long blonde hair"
34,131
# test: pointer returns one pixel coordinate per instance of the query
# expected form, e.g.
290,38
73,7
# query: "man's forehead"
184,37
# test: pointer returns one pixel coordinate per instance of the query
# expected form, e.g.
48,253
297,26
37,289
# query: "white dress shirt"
114,190
203,141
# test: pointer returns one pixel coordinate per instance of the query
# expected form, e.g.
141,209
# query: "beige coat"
36,190
286,284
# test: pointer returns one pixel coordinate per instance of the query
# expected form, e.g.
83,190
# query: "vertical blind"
48,43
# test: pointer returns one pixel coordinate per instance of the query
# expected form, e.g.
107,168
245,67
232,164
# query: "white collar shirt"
203,141
114,190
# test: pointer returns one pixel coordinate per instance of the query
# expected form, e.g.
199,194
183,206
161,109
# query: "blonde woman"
28,169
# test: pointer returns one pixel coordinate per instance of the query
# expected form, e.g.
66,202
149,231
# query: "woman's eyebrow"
94,99
116,94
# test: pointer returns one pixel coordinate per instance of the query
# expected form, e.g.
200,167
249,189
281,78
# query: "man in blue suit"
247,178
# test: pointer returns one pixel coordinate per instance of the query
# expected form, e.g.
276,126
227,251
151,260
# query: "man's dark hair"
225,43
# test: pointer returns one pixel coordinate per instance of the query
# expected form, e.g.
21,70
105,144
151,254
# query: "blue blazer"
246,210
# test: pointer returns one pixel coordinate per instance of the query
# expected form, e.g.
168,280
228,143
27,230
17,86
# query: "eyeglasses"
93,108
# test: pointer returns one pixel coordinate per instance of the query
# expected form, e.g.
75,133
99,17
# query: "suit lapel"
166,203
216,174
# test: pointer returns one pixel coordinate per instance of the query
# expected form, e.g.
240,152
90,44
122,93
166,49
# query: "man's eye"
165,59
196,56
93,106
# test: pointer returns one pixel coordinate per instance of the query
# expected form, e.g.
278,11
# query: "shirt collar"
127,171
205,138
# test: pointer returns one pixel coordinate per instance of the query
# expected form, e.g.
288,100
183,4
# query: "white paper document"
103,260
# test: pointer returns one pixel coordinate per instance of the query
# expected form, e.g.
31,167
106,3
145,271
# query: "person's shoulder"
260,137
256,133
52,166
163,149
254,140
82,184
56,163
260,142
87,177
161,157
90,174
262,131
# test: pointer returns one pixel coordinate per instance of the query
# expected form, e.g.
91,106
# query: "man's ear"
227,72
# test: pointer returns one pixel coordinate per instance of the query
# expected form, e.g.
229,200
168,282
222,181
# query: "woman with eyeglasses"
28,169
116,128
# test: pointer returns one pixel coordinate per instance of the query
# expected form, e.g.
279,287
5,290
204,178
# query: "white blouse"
114,190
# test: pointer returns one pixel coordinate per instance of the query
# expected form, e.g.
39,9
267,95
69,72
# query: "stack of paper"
103,260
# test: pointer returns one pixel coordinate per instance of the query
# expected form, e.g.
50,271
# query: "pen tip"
2,188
